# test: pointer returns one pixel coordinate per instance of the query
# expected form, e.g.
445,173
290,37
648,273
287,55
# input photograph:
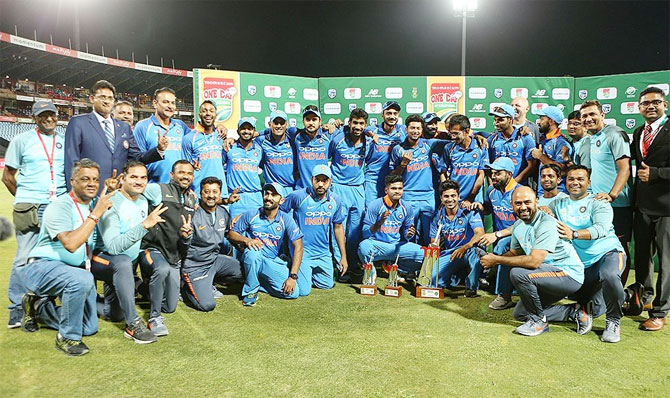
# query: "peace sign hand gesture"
154,217
113,183
186,229
163,141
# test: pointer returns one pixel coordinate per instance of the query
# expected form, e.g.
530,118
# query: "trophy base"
429,292
393,291
368,290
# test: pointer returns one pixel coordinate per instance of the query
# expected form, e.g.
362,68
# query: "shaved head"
520,105
524,203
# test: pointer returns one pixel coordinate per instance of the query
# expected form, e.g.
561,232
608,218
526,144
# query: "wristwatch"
496,235
293,276
575,234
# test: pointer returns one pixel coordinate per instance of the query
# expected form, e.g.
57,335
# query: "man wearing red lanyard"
37,156
60,262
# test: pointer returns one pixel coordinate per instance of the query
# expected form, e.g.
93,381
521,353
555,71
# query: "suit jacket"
84,138
653,197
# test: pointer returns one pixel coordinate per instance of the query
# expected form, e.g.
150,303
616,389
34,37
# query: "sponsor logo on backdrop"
373,93
519,92
494,105
291,92
561,107
444,98
629,108
538,106
606,93
607,108
221,92
332,93
393,92
477,93
252,106
273,106
352,107
292,108
576,107
477,108
498,92
414,107
373,107
541,93
415,92
352,93
272,91
630,123
630,92
251,89
560,93
292,122
310,94
610,122
478,123
332,108
373,121
582,94
663,86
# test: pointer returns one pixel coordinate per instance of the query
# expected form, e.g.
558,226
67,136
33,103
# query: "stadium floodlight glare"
465,5
464,9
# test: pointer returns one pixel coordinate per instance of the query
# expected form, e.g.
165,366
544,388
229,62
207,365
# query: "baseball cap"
250,120
429,117
322,169
502,163
503,110
44,106
308,111
552,112
278,113
391,104
275,186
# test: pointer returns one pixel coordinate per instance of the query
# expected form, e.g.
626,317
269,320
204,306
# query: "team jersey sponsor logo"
606,93
582,94
477,93
393,92
560,93
498,93
519,92
272,91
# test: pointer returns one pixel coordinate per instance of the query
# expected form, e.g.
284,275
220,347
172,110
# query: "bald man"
545,268
521,107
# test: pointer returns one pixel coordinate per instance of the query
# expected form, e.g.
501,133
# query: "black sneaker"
635,304
73,348
29,323
471,294
138,332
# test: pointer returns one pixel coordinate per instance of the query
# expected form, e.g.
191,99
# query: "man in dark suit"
99,137
651,150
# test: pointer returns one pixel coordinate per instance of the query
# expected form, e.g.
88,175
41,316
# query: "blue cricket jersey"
242,167
347,159
395,227
208,148
146,135
376,168
456,232
418,176
607,146
500,205
254,224
518,148
552,146
311,152
278,161
463,166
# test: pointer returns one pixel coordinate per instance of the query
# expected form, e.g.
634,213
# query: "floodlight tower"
464,9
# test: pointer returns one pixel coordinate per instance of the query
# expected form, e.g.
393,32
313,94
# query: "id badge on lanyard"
88,248
50,159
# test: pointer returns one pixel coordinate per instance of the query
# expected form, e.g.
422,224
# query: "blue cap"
429,117
502,163
308,111
322,169
44,106
391,104
553,113
503,110
250,120
277,187
278,113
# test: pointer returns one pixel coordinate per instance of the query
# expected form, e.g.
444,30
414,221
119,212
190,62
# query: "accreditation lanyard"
50,159
88,249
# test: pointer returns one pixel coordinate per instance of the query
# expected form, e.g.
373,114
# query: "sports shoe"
157,326
250,299
216,293
29,323
346,278
533,328
502,303
73,348
471,294
15,317
612,332
139,333
584,317
634,302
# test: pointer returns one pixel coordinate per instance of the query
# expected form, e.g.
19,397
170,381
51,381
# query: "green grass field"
336,343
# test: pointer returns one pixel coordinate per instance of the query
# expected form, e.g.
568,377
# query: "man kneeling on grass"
545,268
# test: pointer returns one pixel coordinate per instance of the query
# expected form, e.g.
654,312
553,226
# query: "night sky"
363,38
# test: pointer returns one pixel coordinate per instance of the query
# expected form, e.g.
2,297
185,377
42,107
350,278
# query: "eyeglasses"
104,97
656,102
279,122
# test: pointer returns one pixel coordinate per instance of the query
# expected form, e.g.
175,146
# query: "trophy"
369,287
392,289
426,285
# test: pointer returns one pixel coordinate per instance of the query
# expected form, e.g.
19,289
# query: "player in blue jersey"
349,151
312,143
550,178
555,148
545,268
460,230
497,202
581,141
262,232
242,163
464,161
149,131
587,223
319,214
510,143
610,170
203,147
279,153
387,135
387,229
411,159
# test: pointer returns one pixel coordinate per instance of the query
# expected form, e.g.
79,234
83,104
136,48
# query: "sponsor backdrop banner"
241,94
618,95
483,94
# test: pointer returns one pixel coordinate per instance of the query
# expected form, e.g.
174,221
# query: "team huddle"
283,210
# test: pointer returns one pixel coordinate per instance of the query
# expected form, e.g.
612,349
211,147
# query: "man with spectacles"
103,139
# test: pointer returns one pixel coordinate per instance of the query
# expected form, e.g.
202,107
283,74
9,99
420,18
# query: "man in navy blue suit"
107,141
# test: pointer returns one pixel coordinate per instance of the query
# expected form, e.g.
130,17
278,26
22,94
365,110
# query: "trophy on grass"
426,284
369,286
392,289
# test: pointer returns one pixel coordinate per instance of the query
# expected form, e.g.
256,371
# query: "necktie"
109,134
647,138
